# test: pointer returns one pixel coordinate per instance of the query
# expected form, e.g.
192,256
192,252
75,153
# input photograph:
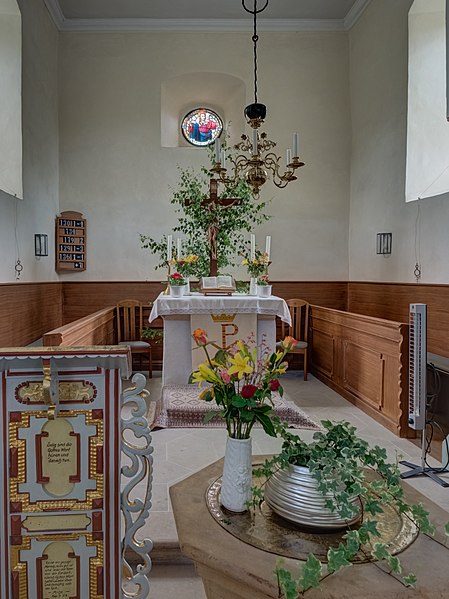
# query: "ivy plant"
195,220
340,462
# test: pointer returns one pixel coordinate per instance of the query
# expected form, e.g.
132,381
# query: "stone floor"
181,452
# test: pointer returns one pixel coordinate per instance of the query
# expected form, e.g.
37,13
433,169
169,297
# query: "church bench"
97,328
364,359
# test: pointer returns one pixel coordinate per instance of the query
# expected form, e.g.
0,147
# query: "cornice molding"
212,25
357,10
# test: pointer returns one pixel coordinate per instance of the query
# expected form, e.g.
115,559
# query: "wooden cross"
212,202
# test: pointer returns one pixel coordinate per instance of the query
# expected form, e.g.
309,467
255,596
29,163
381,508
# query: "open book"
220,282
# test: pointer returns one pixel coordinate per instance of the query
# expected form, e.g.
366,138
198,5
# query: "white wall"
378,88
36,212
114,170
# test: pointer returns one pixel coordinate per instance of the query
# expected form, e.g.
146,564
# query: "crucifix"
213,201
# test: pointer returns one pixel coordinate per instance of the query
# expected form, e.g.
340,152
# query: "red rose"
248,391
274,385
176,276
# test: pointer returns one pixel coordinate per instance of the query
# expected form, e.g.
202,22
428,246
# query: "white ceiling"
203,14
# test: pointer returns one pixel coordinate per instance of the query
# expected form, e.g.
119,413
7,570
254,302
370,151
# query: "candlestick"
252,254
295,145
268,246
254,142
169,242
178,248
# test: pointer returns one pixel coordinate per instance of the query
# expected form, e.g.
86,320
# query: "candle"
254,142
223,159
289,156
169,240
295,145
217,150
252,254
178,248
268,246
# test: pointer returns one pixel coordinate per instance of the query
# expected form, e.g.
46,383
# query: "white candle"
217,150
268,246
295,145
252,254
289,156
223,159
169,240
178,248
254,142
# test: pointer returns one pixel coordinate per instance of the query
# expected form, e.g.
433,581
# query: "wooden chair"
299,311
129,326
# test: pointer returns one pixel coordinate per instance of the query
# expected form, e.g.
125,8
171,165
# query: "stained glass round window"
201,126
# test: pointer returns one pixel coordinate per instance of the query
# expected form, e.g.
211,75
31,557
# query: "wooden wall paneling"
369,363
331,294
28,310
392,301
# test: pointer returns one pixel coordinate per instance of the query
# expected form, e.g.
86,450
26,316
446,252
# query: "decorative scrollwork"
136,446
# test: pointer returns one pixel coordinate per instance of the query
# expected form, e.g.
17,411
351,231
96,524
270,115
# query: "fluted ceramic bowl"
293,494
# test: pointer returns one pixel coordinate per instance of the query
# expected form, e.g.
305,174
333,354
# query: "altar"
177,313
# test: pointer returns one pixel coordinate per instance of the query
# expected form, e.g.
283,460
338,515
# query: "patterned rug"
181,408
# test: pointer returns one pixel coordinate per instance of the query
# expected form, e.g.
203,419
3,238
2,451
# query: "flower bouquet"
176,279
258,265
185,265
241,383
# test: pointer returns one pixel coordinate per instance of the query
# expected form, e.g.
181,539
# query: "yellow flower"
240,365
205,373
208,390
244,262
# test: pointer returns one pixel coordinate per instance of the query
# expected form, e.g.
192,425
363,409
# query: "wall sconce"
384,243
40,244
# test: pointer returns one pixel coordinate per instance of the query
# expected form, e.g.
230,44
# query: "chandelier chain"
255,39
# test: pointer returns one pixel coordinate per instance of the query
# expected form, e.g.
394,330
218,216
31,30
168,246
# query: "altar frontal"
223,330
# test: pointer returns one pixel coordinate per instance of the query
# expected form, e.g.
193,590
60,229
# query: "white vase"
237,475
253,286
187,286
177,290
264,290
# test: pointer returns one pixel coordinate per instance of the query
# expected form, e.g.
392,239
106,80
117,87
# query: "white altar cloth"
197,303
176,313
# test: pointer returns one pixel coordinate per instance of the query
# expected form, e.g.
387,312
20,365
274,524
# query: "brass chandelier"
254,160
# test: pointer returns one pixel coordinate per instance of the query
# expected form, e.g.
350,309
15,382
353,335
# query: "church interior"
104,88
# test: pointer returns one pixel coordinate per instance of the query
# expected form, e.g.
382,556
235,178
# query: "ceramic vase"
177,290
264,290
253,286
237,475
293,494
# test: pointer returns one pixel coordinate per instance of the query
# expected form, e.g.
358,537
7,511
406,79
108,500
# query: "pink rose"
225,377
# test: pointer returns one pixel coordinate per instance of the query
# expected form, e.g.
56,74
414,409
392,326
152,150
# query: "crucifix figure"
213,201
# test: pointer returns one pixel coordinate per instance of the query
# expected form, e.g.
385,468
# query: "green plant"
241,383
195,221
154,335
263,280
340,462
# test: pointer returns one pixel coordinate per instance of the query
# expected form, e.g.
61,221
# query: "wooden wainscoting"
364,359
331,294
392,300
27,311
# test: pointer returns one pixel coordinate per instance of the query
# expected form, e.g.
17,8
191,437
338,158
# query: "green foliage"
195,220
339,461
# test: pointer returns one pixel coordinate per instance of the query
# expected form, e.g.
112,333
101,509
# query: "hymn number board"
70,242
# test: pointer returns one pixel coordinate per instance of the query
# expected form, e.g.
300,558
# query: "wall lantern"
40,244
384,243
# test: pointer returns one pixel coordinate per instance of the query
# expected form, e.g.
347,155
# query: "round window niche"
201,126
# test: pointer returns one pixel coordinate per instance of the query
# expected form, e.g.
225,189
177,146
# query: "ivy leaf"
394,564
311,573
336,558
352,543
410,580
371,527
380,551
372,506
286,583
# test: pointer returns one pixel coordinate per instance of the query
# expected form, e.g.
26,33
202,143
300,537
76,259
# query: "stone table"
231,569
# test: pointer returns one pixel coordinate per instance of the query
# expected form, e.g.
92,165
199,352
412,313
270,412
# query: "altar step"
163,553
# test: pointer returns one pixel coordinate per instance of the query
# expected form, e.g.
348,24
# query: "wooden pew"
364,359
95,329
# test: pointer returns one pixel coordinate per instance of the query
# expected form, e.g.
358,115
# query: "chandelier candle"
295,145
289,156
254,142
217,150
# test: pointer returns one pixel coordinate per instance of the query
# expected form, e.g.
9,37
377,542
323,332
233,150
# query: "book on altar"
219,282
221,285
